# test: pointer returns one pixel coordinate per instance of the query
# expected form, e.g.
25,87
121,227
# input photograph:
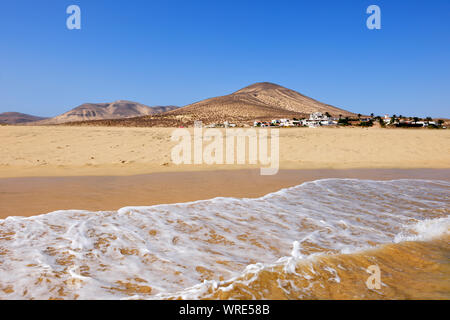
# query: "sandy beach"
101,151
99,168
159,152
39,195
133,249
242,246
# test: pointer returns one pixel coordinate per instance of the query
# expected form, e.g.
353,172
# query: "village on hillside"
318,119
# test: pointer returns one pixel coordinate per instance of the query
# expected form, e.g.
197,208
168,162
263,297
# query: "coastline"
44,169
243,248
39,195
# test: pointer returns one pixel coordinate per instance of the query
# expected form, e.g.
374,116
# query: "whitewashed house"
318,119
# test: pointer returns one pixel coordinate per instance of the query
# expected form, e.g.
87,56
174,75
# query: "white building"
286,123
318,116
318,119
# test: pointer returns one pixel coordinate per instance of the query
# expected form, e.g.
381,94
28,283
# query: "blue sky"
172,52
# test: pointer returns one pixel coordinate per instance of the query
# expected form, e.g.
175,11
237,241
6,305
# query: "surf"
300,240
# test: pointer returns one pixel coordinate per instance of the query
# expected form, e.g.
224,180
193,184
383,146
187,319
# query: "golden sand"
109,151
43,169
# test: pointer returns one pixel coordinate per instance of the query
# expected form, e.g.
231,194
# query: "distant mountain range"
101,111
260,101
17,118
88,112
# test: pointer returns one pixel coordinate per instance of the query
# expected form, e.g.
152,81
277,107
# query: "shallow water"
311,241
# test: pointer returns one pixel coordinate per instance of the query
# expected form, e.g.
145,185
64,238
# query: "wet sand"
410,271
39,195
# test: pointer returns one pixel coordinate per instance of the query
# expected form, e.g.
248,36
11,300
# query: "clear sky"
168,52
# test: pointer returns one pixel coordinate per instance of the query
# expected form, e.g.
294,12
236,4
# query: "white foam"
425,230
172,248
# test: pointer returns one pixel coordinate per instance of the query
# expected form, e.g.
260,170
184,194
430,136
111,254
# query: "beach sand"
107,151
46,169
43,169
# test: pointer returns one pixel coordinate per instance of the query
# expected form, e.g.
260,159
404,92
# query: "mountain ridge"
260,101
106,111
18,118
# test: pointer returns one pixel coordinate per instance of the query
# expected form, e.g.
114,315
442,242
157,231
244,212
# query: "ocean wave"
189,249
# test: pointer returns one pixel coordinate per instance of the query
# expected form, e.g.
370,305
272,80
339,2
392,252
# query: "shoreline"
40,195
142,170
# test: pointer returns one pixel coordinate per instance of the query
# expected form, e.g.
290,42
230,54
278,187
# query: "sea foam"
181,249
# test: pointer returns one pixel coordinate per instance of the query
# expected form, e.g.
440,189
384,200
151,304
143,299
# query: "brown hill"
17,118
279,97
261,101
103,111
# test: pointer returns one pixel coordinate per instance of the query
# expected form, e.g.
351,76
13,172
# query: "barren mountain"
279,97
261,101
17,118
103,111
